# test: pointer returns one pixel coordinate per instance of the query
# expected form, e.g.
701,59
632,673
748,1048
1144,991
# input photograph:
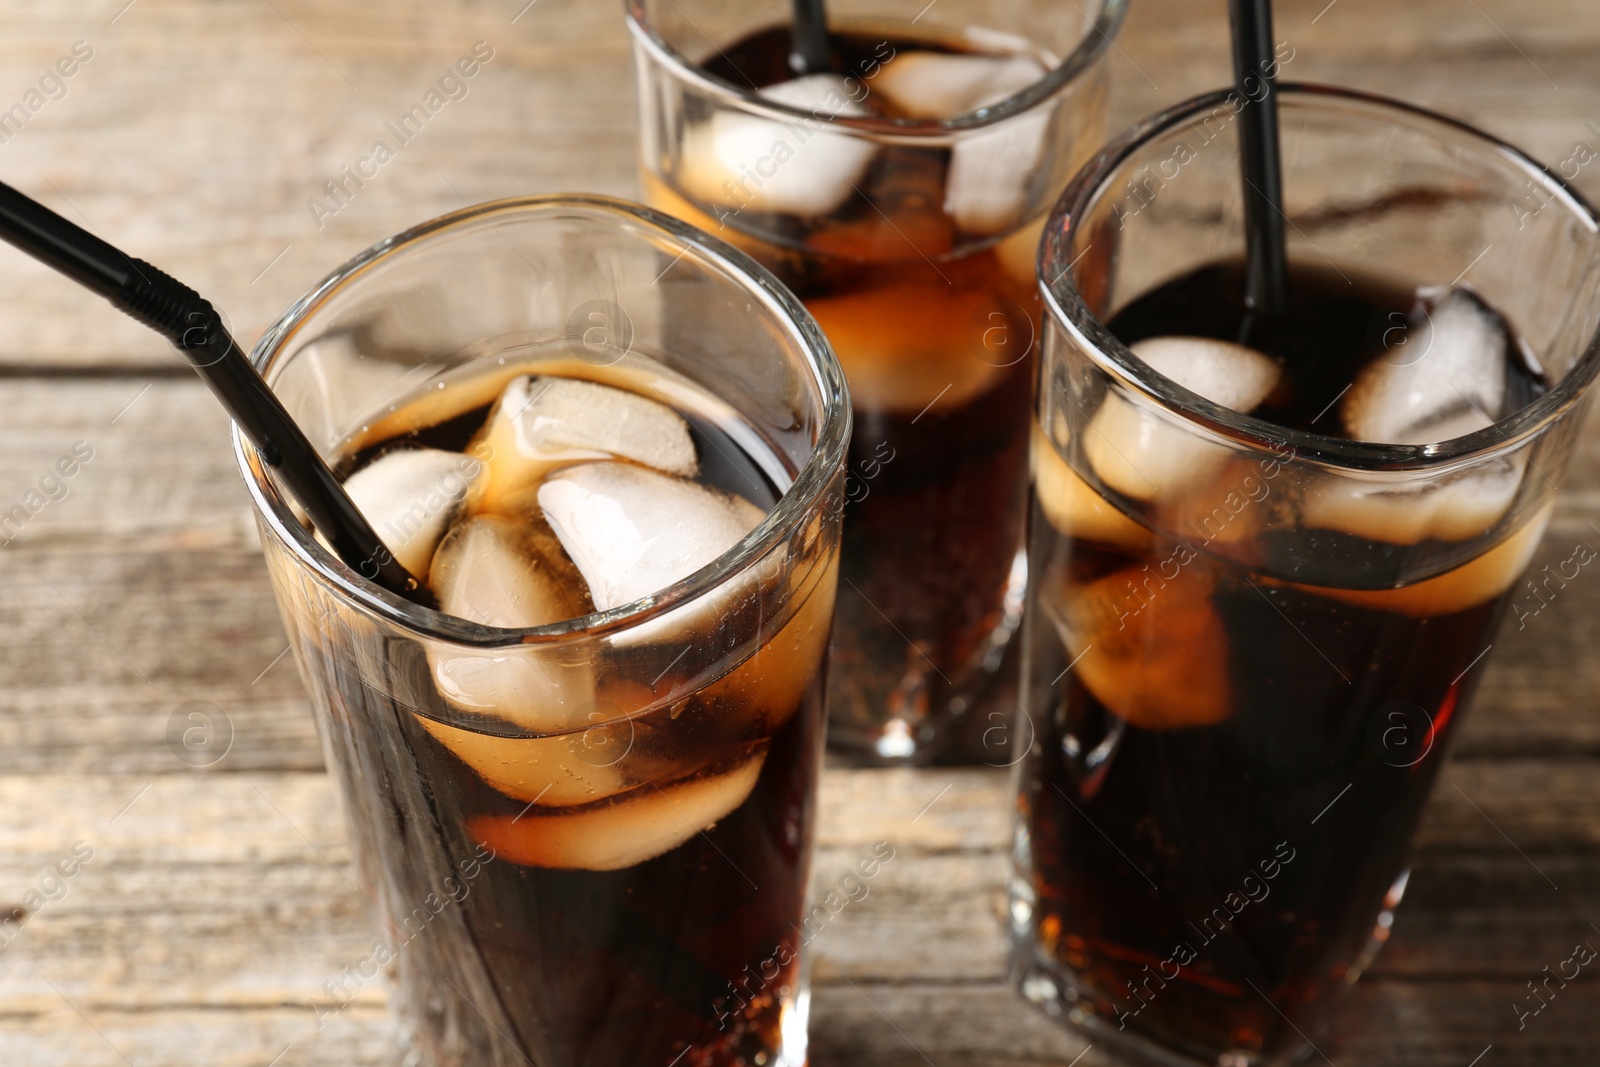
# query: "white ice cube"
1144,453
409,496
633,532
937,85
1224,373
634,827
1448,378
1072,506
797,167
556,772
1450,507
894,342
543,424
1159,665
986,187
1473,582
769,686
490,570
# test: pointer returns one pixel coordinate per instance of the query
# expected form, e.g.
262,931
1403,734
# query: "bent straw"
809,39
188,320
1266,262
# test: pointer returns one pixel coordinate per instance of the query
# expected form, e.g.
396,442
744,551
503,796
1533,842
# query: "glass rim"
1107,21
791,511
1064,303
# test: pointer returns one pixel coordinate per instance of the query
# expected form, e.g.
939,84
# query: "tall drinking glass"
606,864
900,195
1249,640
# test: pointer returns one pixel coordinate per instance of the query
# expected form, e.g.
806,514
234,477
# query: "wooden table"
217,900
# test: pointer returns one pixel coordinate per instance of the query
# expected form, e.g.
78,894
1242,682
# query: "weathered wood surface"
198,131
217,900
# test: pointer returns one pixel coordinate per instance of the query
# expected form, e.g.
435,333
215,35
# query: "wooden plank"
219,900
56,1035
138,591
266,851
1533,805
142,590
1384,1024
212,183
224,897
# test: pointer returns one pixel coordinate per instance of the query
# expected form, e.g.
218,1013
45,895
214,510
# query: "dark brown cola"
1237,722
935,327
628,887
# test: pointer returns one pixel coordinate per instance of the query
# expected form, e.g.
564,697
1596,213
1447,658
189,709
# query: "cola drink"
916,256
601,853
1241,676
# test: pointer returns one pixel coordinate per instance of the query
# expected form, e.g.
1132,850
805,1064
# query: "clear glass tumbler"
900,195
626,885
1241,676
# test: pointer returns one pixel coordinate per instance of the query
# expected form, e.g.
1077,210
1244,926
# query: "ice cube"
986,187
1018,251
1468,585
797,167
1072,507
937,85
492,570
633,532
768,687
1224,373
409,496
1151,649
1145,453
495,571
557,772
986,190
901,344
1451,507
625,831
1446,380
543,424
1232,510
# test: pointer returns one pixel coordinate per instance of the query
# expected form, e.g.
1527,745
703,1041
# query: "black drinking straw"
188,320
1266,262
809,38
